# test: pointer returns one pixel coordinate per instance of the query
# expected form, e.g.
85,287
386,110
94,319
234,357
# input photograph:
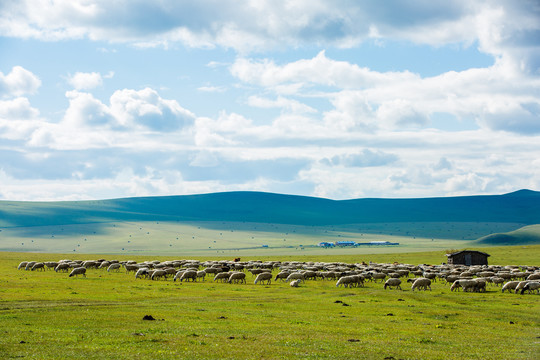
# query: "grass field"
239,239
47,315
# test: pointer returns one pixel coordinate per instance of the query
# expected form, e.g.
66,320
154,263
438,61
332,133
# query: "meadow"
47,315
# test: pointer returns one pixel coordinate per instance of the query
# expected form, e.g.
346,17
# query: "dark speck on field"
389,314
148,317
353,340
138,334
231,337
400,300
338,302
344,304
222,317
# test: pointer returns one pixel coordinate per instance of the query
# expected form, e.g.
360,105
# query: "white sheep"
131,267
420,284
465,284
201,274
38,265
159,274
222,276
114,266
295,283
531,286
189,274
142,272
237,277
22,265
393,282
295,276
264,276
345,281
510,285
179,274
29,265
78,271
62,267
282,275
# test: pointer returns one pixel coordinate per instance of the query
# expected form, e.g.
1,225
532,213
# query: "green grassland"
240,238
47,315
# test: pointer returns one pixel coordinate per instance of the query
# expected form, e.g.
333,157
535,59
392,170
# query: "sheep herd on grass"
511,278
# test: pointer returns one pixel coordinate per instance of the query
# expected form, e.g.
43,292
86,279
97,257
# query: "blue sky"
337,99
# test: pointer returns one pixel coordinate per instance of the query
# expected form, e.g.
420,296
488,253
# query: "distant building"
468,257
377,243
345,243
325,244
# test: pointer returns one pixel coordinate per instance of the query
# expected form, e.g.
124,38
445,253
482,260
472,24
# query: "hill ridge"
522,206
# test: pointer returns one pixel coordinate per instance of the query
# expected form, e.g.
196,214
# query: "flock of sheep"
522,279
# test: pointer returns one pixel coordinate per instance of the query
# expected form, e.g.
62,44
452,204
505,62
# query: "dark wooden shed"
468,257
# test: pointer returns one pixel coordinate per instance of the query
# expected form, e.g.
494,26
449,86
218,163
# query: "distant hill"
524,236
518,207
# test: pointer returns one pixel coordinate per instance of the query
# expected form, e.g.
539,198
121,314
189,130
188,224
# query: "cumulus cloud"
147,109
365,158
17,82
504,28
85,81
368,100
18,108
128,109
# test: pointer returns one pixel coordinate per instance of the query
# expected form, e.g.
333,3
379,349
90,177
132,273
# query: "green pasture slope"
47,315
253,223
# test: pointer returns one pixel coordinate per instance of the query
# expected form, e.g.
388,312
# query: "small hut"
468,257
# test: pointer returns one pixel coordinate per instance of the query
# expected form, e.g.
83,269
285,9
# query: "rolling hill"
247,220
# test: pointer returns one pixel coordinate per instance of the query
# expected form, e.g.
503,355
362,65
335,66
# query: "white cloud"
18,108
85,81
147,109
369,100
290,105
18,82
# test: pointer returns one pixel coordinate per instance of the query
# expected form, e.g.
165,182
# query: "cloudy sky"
338,99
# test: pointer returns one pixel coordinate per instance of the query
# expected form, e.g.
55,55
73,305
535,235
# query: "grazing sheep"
29,265
38,265
159,274
497,281
510,285
142,272
189,274
104,264
393,282
345,281
264,276
179,274
283,275
22,265
531,286
114,266
222,276
51,264
378,276
201,274
237,277
131,267
535,276
295,276
465,284
62,267
78,271
521,285
295,283
420,284
480,285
